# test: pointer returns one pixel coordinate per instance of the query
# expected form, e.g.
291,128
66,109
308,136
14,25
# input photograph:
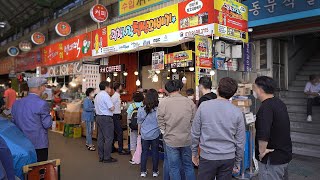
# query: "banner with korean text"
131,6
152,24
231,20
28,61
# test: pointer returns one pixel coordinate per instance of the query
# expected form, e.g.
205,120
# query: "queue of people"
210,136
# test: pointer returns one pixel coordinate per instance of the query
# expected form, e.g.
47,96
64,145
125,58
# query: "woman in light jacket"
88,117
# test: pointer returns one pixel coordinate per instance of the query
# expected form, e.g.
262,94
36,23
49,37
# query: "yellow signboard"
230,33
181,56
159,22
232,20
131,6
233,8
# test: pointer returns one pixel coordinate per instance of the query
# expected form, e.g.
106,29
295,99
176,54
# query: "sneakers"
155,174
309,119
132,162
143,174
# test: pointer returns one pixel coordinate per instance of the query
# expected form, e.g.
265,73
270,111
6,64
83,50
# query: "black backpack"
134,118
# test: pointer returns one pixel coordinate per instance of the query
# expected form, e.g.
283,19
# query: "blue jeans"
155,154
166,175
180,159
89,126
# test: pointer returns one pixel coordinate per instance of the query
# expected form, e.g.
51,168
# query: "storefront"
181,40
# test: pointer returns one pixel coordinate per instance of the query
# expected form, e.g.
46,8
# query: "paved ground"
81,164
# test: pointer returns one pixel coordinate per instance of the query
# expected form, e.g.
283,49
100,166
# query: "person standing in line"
32,116
219,129
150,132
175,116
10,96
88,117
312,90
132,112
273,142
205,85
104,110
116,99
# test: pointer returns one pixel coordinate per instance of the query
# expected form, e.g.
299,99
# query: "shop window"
263,54
279,63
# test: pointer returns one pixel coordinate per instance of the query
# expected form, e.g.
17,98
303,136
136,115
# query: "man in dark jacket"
205,85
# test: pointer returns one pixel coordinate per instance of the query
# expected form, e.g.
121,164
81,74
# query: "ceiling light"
155,78
84,80
3,24
174,70
55,82
138,83
158,71
136,73
212,73
64,88
191,68
108,79
115,74
125,73
184,80
250,30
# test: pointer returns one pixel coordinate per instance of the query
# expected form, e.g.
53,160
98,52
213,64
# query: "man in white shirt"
116,100
312,90
104,110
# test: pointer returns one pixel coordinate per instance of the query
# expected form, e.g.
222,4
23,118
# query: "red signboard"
77,47
99,13
99,41
53,54
193,13
63,28
38,38
28,61
6,65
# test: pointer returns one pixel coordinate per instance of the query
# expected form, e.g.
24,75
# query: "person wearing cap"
31,115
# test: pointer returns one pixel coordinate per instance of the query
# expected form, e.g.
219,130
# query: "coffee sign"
110,69
38,38
99,13
63,28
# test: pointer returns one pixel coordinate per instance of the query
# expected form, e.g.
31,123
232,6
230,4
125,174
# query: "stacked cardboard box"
244,90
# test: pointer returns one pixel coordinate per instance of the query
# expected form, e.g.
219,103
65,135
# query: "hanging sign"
247,57
77,47
25,46
131,6
232,22
99,41
99,13
53,54
193,13
152,24
38,38
110,69
158,60
203,51
13,51
28,61
6,65
179,59
63,28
